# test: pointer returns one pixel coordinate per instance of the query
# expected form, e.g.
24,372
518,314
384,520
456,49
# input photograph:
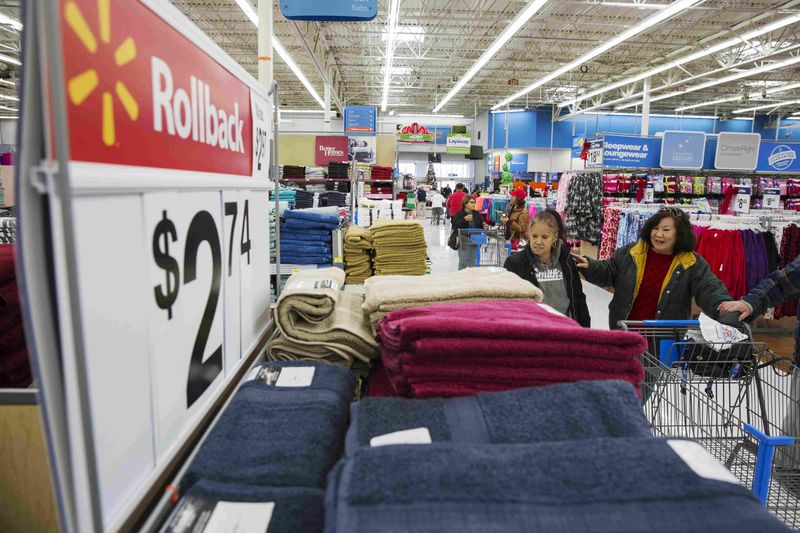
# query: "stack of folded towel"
291,172
364,171
358,248
336,198
601,485
316,320
382,173
305,199
390,293
338,171
275,442
400,247
306,236
316,173
461,349
284,195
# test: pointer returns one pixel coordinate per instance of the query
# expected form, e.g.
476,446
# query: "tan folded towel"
280,348
389,293
358,237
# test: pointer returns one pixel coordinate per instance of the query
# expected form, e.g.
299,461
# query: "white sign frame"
673,167
64,370
754,138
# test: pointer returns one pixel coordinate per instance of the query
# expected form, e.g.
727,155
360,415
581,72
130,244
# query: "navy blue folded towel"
305,259
305,248
304,223
296,509
305,234
569,411
599,485
312,215
273,436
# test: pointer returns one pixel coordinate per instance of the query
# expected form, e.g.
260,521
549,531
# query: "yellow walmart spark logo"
83,85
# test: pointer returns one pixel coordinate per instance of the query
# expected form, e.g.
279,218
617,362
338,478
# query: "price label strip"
772,198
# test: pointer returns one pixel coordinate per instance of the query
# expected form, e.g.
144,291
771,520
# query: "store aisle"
444,260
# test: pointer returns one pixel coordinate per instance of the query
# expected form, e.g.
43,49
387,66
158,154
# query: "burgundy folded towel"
461,349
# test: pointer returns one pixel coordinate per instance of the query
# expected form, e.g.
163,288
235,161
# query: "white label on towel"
313,285
300,376
701,461
195,514
550,309
407,436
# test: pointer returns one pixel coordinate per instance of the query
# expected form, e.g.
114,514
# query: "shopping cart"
490,246
740,401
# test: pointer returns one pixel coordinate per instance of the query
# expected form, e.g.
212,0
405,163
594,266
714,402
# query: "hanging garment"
610,228
562,194
585,207
790,248
724,252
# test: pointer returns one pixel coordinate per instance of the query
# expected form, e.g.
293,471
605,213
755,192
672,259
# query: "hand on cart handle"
503,218
739,306
580,260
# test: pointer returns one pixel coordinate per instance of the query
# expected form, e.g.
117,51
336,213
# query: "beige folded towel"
389,293
358,237
280,348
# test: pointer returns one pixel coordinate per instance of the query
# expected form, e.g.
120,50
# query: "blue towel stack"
277,443
598,485
284,195
306,236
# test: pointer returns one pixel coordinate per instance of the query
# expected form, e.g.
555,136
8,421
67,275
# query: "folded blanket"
279,348
583,410
384,294
312,310
302,223
298,259
296,509
358,237
306,234
598,485
324,217
273,436
305,248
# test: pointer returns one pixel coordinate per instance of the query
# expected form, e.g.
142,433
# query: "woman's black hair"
685,239
552,219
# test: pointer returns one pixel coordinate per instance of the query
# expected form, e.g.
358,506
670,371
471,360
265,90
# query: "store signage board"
683,150
777,156
577,146
360,120
458,143
594,157
737,151
167,179
330,10
519,163
330,149
622,151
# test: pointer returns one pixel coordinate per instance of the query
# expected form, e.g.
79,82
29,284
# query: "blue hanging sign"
776,156
360,120
683,150
519,163
623,151
330,10
577,146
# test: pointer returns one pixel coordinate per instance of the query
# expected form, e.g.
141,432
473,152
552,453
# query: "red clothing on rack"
656,268
724,251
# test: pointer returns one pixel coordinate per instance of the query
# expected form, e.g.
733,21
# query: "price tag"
772,198
649,194
260,108
741,202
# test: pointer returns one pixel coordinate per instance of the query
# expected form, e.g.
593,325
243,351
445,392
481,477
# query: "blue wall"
531,129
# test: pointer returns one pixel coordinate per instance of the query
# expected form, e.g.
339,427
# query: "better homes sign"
458,143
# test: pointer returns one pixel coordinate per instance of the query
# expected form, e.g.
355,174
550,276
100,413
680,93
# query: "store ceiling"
457,32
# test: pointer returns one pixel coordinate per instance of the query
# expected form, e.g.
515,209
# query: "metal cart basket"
490,245
740,401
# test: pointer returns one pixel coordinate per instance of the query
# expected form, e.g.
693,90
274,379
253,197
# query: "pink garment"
608,243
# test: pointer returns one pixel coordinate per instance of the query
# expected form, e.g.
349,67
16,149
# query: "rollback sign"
143,95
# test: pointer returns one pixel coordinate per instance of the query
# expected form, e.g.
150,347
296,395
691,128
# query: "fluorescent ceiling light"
303,111
14,23
429,116
509,111
406,34
719,81
763,83
398,71
736,41
276,44
637,6
523,17
736,98
8,59
756,49
394,14
646,24
759,107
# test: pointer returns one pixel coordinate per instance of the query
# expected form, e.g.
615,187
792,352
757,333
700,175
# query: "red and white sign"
140,93
330,150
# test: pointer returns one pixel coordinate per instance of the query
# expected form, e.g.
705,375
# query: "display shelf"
288,269
378,196
379,181
318,180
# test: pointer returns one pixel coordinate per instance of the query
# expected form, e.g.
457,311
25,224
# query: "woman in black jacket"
546,263
467,218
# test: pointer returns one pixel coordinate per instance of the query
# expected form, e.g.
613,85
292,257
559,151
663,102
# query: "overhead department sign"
775,156
458,143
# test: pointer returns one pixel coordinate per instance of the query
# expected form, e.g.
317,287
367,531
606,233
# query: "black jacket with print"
521,264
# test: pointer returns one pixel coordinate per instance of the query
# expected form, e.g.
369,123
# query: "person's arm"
520,224
776,288
601,273
459,222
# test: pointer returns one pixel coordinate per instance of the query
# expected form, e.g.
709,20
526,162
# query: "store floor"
445,260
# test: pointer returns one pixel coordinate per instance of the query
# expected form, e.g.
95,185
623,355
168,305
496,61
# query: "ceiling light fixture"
719,81
394,15
766,106
509,111
637,6
281,51
738,97
429,116
523,17
646,24
736,41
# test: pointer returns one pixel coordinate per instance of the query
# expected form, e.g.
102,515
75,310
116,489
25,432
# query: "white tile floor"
445,260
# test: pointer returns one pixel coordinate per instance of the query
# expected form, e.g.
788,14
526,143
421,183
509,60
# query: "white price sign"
261,109
772,198
650,193
741,202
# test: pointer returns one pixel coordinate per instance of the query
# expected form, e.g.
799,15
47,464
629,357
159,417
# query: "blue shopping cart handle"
671,323
780,440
